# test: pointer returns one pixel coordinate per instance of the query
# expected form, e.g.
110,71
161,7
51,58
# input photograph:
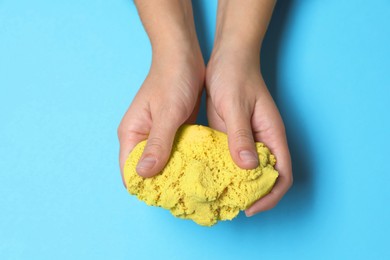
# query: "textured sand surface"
200,181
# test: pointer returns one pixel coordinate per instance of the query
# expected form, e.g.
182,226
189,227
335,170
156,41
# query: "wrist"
169,25
234,54
176,49
244,46
241,26
232,37
177,57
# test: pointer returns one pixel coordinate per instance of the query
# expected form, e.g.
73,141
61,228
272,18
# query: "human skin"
238,101
171,91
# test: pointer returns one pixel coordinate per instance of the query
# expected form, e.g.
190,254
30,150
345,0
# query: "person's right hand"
168,98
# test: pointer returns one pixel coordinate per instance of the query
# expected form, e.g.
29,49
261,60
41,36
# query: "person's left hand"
239,104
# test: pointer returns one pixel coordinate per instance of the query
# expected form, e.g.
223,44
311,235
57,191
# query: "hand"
168,98
171,92
239,104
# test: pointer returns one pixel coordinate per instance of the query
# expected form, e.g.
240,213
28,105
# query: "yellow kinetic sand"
201,181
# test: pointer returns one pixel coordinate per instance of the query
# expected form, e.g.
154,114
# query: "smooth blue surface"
68,71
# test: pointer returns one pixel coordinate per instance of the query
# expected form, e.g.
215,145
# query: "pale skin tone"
238,101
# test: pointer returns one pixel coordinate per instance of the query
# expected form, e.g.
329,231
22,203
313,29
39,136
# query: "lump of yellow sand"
201,182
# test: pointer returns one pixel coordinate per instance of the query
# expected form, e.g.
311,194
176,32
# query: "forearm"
169,25
241,25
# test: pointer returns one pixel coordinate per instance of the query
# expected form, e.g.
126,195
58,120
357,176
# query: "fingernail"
248,214
248,156
146,163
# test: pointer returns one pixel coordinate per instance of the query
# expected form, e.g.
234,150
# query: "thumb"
158,149
240,139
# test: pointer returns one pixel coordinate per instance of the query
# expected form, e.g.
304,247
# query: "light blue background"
69,70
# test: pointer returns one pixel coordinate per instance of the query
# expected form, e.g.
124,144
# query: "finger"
158,147
127,142
240,138
279,148
271,200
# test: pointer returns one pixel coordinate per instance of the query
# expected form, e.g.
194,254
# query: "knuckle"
121,132
290,181
155,144
271,205
242,132
243,136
